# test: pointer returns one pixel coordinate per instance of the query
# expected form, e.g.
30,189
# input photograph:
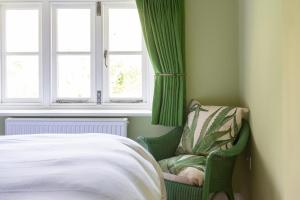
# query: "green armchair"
219,165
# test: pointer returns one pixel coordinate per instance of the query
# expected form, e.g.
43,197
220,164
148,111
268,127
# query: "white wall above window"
62,54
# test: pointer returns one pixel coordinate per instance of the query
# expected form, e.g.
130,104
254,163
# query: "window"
21,50
124,54
73,54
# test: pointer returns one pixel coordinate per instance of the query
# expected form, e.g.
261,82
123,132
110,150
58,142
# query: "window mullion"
53,56
105,72
93,54
46,53
98,52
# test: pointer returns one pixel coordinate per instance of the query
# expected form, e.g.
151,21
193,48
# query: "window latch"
99,8
105,58
99,97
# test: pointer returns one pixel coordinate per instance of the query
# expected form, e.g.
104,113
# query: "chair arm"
220,163
164,146
238,148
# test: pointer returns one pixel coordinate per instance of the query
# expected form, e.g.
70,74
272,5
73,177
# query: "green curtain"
163,27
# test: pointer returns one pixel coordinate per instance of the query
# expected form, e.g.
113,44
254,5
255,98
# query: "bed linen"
77,167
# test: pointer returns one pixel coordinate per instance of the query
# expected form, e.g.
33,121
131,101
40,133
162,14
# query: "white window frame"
105,38
55,53
47,100
4,53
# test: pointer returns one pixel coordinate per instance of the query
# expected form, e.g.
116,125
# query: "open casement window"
125,59
73,53
21,68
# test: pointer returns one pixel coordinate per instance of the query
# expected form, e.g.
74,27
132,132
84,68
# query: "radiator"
21,126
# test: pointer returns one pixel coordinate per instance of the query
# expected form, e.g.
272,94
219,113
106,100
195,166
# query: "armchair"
219,165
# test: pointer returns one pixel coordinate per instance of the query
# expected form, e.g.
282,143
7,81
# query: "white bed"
77,167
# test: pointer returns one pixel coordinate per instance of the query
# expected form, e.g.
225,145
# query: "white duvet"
77,167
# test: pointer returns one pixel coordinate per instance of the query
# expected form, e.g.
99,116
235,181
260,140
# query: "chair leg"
230,195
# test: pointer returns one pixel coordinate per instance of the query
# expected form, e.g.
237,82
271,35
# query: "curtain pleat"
163,27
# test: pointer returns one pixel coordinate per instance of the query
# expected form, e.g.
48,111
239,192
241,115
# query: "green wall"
261,91
291,97
270,79
212,51
141,126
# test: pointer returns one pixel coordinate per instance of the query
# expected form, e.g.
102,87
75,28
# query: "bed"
77,167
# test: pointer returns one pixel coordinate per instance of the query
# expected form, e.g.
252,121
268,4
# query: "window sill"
73,113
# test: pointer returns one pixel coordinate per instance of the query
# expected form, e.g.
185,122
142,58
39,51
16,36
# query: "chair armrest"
238,148
164,146
220,163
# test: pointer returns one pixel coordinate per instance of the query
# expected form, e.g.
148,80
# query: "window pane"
22,77
125,76
22,30
124,30
73,29
74,76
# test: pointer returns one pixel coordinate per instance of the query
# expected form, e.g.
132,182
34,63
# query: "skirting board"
222,196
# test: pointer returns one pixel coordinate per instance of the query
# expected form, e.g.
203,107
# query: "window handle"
105,58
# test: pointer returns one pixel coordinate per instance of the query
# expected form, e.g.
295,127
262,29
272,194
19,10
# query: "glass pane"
124,30
22,30
22,77
73,29
74,76
125,76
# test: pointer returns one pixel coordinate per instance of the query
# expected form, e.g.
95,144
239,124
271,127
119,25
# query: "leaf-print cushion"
188,169
209,128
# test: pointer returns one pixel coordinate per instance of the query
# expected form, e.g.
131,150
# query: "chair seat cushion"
187,169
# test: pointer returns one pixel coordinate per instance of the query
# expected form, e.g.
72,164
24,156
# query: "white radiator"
21,126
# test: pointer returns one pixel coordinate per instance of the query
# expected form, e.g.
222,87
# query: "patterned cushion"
189,169
209,128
